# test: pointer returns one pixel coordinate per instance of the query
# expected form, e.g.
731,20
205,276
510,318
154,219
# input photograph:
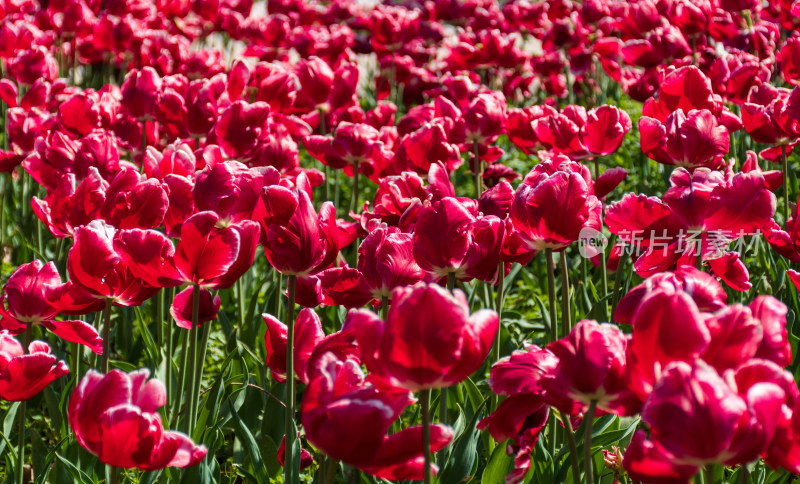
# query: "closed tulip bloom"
25,375
386,259
429,339
605,129
551,208
685,139
115,417
28,298
592,366
140,92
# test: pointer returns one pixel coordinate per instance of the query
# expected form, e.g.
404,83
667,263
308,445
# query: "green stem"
384,307
573,449
278,285
106,336
499,308
443,417
192,361
144,144
424,402
240,294
587,443
76,362
603,261
551,294
744,474
113,475
566,317
618,281
354,195
477,169
708,474
291,436
21,416
786,192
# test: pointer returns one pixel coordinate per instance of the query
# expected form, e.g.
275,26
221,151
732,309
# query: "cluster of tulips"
184,165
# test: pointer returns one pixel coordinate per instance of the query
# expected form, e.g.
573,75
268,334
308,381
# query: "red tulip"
337,400
790,60
32,64
97,272
591,367
309,345
696,418
561,132
385,261
482,121
25,375
115,417
176,159
767,119
133,202
520,129
306,459
71,204
140,93
420,349
232,190
183,306
206,255
693,139
296,240
352,145
421,149
605,129
450,238
28,295
553,204
774,345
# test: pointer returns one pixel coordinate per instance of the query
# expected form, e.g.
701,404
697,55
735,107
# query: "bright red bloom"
421,149
591,366
134,202
450,237
239,128
767,119
115,417
25,375
97,272
183,306
519,125
482,121
306,459
32,64
296,240
29,295
71,204
429,339
561,132
337,400
553,204
696,418
686,139
206,255
604,130
176,159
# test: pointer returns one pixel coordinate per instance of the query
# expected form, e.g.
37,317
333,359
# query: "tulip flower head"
25,375
115,417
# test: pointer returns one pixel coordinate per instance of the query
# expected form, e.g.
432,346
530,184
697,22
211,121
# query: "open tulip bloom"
568,252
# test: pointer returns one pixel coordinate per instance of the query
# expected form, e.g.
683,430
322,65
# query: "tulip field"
372,241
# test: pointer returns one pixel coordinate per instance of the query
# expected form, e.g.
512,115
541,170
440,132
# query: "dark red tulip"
306,459
176,159
690,139
352,145
482,121
134,202
337,400
766,119
115,417
409,351
423,148
450,238
183,306
232,190
71,204
296,240
24,375
140,92
790,60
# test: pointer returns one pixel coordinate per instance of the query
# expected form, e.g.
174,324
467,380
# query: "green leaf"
77,474
8,423
464,457
250,445
499,465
